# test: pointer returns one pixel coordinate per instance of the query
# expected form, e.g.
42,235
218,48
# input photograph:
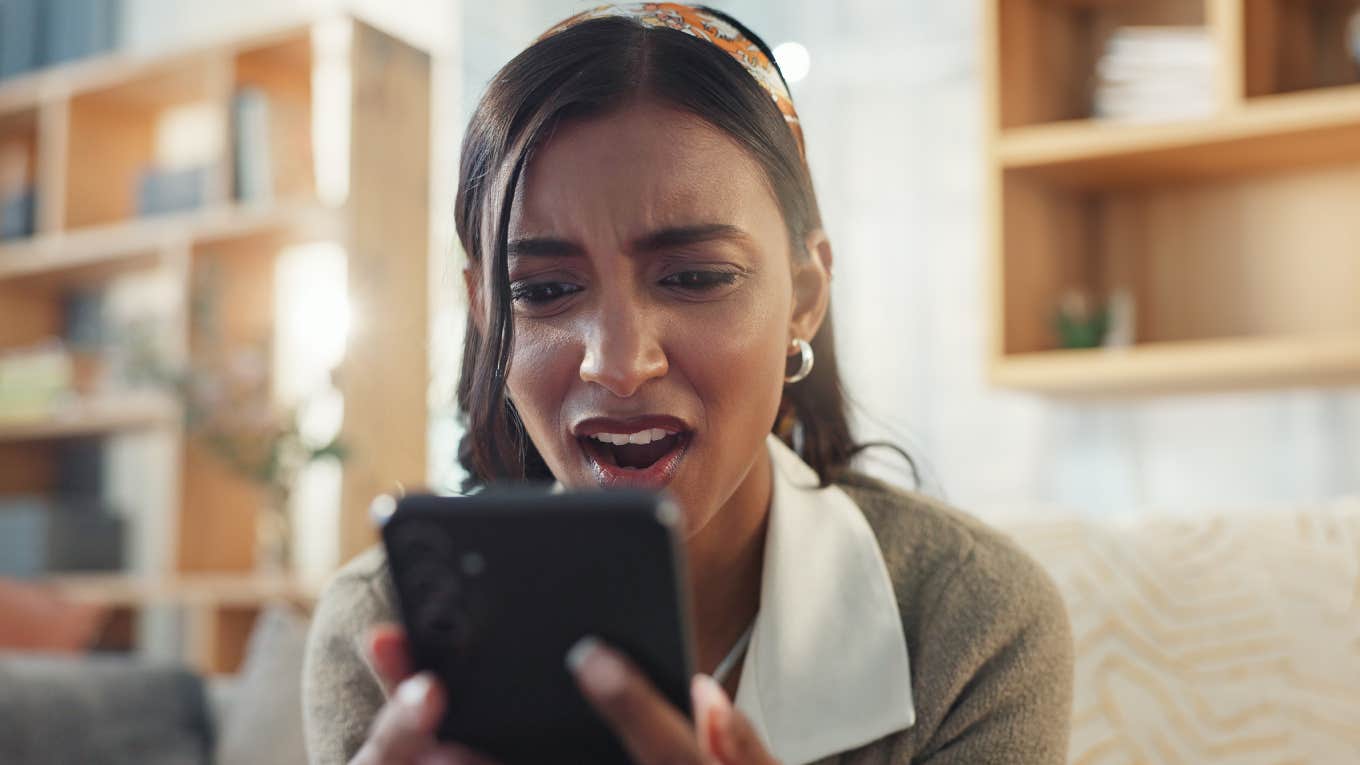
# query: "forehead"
640,167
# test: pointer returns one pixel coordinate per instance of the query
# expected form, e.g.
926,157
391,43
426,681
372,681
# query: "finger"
652,730
707,710
724,732
405,727
454,754
389,655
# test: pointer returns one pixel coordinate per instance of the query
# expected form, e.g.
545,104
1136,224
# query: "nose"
622,350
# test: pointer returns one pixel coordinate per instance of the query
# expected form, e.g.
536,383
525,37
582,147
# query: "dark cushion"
108,710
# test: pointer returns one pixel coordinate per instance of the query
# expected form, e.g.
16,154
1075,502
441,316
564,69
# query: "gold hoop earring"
805,349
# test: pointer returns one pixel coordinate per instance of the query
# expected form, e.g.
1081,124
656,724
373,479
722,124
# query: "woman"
649,287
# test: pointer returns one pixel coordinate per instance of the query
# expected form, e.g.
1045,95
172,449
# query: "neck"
725,562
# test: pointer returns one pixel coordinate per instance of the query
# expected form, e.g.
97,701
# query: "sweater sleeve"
341,692
996,652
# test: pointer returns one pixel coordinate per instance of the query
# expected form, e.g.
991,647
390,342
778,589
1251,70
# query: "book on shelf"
75,29
34,381
254,179
16,188
1156,74
20,36
80,467
1353,41
16,215
161,190
43,535
82,312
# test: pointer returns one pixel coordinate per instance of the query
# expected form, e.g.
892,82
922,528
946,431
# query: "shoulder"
341,692
932,549
987,631
358,596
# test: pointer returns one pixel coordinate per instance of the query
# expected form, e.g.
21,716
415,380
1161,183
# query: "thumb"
725,735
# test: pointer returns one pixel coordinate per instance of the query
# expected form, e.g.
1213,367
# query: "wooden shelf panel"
116,243
1185,366
1268,134
219,610
114,69
93,416
220,590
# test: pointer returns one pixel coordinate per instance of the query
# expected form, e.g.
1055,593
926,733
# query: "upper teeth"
640,437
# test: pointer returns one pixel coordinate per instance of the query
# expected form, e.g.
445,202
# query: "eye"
699,281
542,293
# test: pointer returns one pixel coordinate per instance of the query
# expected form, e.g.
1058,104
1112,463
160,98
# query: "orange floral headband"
706,25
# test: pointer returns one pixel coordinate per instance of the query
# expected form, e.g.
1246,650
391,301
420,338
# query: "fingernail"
414,691
580,652
597,668
708,694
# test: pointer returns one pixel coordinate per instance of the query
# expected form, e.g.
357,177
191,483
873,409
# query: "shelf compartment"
1213,365
272,121
232,291
149,145
1270,134
18,175
1299,45
1232,260
1048,51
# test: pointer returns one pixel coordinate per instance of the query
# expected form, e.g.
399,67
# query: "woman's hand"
653,731
404,731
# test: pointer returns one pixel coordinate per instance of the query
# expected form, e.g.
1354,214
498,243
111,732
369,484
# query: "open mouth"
640,458
631,451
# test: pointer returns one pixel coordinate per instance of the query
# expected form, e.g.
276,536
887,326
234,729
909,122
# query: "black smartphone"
495,588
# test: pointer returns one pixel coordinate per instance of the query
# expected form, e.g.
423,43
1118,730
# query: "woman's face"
654,301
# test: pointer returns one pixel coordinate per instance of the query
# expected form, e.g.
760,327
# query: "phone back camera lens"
422,540
473,563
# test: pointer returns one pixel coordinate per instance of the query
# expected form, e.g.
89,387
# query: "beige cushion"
1232,638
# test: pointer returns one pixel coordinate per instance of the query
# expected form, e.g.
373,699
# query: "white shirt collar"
827,668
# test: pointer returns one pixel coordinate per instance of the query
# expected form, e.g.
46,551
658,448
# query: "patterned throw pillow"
1228,639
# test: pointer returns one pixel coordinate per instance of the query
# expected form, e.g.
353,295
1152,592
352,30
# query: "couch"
1226,638
63,709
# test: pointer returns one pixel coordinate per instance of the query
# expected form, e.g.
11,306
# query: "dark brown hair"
585,71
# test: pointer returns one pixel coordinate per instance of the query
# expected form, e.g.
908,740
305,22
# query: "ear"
811,287
473,283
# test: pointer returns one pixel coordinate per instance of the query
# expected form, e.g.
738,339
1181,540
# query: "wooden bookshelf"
95,415
347,132
131,591
1234,233
217,610
100,251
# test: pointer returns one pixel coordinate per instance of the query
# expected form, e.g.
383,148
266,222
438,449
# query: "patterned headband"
705,25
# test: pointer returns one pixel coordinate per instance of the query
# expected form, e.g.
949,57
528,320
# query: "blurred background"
1098,271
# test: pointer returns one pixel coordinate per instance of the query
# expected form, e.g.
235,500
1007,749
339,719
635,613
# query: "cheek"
542,368
734,360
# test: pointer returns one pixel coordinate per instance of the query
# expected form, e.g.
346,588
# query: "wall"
893,113
892,110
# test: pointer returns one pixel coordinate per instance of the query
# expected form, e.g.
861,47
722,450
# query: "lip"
654,477
593,425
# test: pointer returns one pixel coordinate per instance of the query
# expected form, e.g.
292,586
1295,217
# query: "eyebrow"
671,238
